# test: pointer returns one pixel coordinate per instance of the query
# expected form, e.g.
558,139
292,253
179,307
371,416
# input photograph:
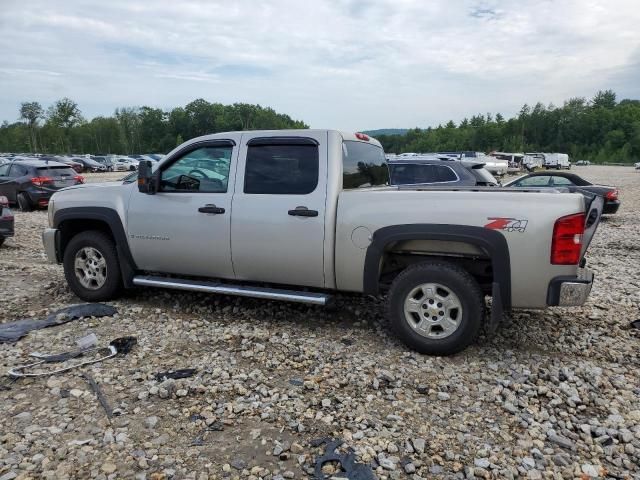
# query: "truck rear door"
278,209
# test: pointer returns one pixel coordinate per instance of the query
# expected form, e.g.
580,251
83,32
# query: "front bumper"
570,291
50,241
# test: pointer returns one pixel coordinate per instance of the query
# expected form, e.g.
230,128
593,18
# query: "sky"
346,64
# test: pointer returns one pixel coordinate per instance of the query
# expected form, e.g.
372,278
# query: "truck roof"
351,136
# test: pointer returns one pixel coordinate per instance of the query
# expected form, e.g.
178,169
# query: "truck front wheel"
436,308
91,266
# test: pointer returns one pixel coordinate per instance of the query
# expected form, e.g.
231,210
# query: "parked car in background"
572,182
583,163
557,161
492,164
6,220
106,161
91,165
31,183
637,165
124,164
76,165
437,170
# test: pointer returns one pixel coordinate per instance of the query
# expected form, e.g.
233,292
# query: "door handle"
210,208
303,212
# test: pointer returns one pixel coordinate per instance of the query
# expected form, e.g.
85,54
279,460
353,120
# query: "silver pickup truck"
295,215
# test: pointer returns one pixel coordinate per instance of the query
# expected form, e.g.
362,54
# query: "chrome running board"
229,289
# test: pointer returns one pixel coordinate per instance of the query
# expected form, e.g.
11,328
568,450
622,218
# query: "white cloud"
351,64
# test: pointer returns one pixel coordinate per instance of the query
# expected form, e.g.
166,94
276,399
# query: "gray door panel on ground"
271,242
181,231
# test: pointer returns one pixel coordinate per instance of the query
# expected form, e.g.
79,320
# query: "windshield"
363,165
52,171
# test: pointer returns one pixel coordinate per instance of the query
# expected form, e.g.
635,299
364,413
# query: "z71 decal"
507,224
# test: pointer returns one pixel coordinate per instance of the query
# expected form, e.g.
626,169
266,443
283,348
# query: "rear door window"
540,181
412,174
561,182
281,169
363,165
17,170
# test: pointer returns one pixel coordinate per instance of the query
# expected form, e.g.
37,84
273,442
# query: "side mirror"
146,183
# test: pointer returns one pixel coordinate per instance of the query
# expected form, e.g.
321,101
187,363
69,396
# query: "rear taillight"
79,178
612,195
39,181
566,244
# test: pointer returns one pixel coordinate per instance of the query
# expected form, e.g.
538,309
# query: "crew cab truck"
298,214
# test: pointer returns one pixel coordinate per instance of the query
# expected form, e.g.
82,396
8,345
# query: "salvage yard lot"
553,394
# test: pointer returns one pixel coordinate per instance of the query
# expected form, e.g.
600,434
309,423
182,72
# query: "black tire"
24,204
107,249
458,281
2,239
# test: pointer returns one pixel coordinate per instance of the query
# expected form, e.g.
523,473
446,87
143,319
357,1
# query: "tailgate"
593,211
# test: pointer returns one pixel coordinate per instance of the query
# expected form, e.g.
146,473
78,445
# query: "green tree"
31,113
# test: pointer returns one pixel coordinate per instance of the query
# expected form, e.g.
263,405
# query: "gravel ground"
553,394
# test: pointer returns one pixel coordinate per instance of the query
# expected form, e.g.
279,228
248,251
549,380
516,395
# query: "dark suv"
30,183
436,170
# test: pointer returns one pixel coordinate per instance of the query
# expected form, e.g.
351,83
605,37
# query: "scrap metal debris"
99,394
175,374
347,461
635,324
120,346
13,331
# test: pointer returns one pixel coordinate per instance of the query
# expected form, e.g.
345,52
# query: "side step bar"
229,289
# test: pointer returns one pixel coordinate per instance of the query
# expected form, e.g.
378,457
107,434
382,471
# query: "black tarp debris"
347,461
13,331
99,394
635,324
175,374
118,346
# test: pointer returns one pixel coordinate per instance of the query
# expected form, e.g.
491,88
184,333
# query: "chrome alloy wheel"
433,310
90,268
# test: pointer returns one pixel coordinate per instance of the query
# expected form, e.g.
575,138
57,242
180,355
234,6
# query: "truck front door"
277,229
185,228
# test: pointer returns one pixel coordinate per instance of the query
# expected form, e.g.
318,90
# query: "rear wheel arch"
483,239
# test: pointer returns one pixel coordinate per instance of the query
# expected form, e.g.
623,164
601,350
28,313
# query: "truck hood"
91,185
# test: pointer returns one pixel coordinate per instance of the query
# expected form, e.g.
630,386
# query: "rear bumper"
570,291
50,240
611,206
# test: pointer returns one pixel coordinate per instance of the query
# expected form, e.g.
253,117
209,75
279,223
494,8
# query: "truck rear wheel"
436,308
91,266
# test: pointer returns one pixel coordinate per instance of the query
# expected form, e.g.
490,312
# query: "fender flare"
113,221
491,241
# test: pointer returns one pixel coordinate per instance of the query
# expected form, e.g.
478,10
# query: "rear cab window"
363,165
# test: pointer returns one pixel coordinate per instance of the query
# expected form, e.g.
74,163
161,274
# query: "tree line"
62,128
600,130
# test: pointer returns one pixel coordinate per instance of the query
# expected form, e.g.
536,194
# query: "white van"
556,160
